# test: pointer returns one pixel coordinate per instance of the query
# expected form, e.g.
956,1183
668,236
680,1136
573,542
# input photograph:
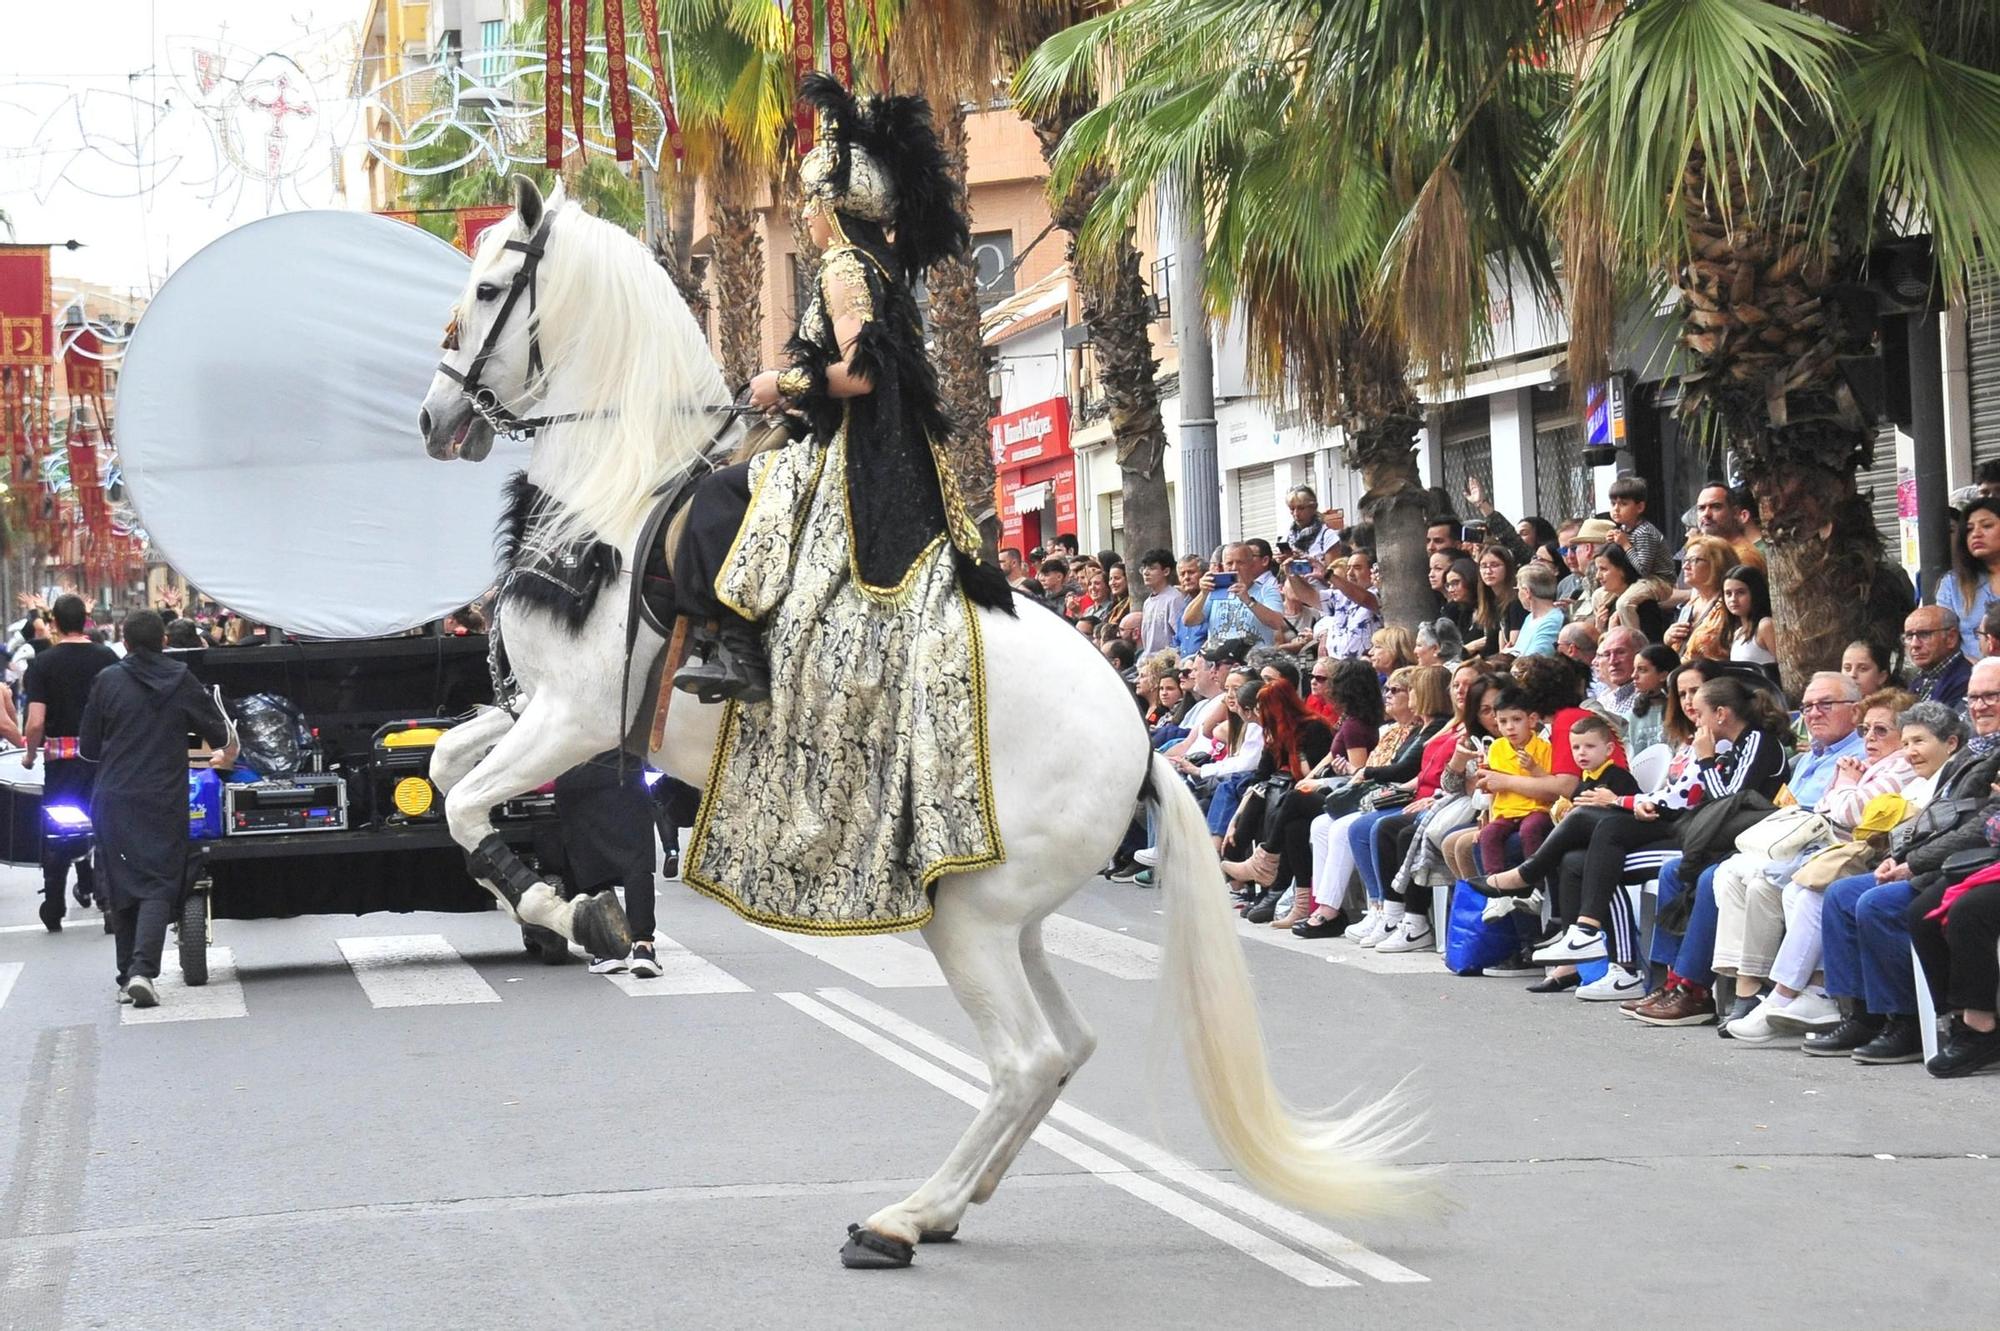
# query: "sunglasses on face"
1878,731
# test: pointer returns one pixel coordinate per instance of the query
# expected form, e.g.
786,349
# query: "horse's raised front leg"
981,958
459,748
544,743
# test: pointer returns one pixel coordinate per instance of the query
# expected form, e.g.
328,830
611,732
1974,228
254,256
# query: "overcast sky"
83,81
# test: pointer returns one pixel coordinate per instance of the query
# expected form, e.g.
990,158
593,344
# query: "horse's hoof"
545,945
599,926
865,1250
938,1235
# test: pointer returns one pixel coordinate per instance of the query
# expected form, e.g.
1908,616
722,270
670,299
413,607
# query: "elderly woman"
1958,940
1768,928
1389,650
1439,642
1702,631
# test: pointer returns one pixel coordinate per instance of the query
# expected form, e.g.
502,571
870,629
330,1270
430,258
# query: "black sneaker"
52,914
1855,1030
670,867
1901,1041
642,962
1965,1051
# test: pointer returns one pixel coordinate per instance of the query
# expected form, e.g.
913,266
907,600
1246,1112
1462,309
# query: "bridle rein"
484,400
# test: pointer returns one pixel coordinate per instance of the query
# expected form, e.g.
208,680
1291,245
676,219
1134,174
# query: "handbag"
1708,834
1837,862
1785,835
1393,796
1347,798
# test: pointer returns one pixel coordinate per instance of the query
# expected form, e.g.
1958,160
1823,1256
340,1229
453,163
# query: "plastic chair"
1650,767
1927,1016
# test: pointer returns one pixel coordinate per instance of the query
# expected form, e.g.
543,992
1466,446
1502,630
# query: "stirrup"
723,664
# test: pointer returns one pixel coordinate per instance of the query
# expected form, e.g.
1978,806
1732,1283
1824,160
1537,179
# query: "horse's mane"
616,333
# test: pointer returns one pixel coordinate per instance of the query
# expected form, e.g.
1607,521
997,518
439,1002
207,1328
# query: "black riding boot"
725,660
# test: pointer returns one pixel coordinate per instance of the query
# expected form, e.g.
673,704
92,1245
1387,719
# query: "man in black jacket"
57,685
136,728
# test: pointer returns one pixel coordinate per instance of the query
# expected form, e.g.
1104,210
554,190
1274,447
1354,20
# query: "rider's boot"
725,660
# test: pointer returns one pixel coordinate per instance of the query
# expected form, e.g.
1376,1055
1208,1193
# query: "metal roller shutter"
1562,483
1114,522
1467,447
1257,502
1982,337
1878,483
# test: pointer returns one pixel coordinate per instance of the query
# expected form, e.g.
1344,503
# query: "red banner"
552,84
663,87
805,53
27,336
83,365
839,52
617,79
579,16
473,222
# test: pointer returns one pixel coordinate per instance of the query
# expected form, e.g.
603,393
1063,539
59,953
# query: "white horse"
628,376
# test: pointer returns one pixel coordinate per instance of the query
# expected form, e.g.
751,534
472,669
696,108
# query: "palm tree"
1748,153
1362,175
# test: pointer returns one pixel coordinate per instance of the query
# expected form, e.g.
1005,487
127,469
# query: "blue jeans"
1361,840
1692,954
1867,944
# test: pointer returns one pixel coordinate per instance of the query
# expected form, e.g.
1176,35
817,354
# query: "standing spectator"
1867,664
1973,584
1441,538
1016,573
1188,638
1065,546
1303,617
1353,611
1592,535
1701,632
1461,601
1309,535
1250,605
1728,515
1054,575
1746,599
1578,643
1930,640
58,686
606,817
135,728
1616,575
1500,613
1120,601
1539,630
1165,603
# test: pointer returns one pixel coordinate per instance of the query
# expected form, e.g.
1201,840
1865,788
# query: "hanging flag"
839,53
471,223
805,53
579,16
663,87
26,331
618,80
881,49
552,84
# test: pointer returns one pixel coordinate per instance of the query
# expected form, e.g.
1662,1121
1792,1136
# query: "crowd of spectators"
1585,708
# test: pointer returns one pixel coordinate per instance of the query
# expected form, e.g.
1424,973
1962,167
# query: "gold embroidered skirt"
834,807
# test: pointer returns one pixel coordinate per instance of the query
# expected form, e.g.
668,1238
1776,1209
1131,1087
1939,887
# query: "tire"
194,939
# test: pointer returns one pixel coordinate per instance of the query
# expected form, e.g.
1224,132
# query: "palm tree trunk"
961,351
739,270
1119,311
1381,417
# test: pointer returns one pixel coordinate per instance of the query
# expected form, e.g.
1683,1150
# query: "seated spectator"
1866,662
1418,702
1578,642
1759,911
1296,744
1499,614
1972,585
1438,643
1931,642
1389,650
1438,565
1227,752
1537,590
1616,575
1652,668
1461,601
1958,940
1746,600
1170,703
1864,919
1357,694
1124,659
1594,748
1319,694
1520,751
1989,632
1701,632
1611,690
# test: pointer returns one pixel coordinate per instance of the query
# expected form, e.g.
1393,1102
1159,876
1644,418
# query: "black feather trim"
984,583
564,583
930,212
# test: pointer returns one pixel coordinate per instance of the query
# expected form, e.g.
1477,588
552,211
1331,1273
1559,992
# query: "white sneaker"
1413,936
1576,944
1148,856
1378,931
1755,1026
1615,985
1499,908
1808,1012
608,966
1370,919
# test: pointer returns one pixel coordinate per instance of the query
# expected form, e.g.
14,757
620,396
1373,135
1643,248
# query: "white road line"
1107,950
9,973
414,970
23,929
221,997
1310,1233
1213,1223
681,972
882,960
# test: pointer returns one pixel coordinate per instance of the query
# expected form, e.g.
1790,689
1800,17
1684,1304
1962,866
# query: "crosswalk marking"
1116,954
882,960
414,970
9,973
681,972
221,997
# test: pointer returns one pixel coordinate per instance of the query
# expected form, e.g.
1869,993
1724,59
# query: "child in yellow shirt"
1521,750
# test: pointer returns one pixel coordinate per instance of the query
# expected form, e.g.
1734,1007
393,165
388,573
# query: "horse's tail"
1325,1162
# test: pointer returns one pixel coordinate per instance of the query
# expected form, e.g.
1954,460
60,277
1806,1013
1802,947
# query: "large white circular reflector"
267,427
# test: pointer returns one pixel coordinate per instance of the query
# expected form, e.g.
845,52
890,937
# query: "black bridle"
484,400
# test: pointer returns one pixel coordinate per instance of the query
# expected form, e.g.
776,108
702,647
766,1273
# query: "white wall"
1032,366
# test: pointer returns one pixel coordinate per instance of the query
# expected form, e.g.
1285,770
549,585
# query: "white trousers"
1333,859
1799,955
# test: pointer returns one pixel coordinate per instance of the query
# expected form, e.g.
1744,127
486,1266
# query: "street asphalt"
401,1121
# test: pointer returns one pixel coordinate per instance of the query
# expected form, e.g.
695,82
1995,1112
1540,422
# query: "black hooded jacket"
135,730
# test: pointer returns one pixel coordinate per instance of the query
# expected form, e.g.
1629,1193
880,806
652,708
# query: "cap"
1231,650
1595,531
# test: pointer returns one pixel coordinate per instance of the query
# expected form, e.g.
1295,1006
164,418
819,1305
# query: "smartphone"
1223,581
1486,744
1471,535
1302,567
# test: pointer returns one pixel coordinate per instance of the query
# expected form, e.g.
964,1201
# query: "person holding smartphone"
1242,599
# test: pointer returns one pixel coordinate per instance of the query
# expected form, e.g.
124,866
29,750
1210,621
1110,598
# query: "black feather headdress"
901,144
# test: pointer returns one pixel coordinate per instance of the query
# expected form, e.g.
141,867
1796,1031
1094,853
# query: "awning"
1031,498
1027,308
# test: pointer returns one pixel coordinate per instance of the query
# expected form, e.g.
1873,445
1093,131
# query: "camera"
1302,567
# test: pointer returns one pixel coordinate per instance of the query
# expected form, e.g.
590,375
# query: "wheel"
194,938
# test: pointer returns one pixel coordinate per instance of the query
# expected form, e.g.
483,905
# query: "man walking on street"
57,687
135,729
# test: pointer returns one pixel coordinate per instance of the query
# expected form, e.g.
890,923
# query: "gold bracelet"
795,382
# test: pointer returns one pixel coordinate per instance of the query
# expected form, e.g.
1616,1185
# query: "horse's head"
491,369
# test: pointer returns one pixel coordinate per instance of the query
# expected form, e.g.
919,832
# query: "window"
993,259
451,46
492,40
